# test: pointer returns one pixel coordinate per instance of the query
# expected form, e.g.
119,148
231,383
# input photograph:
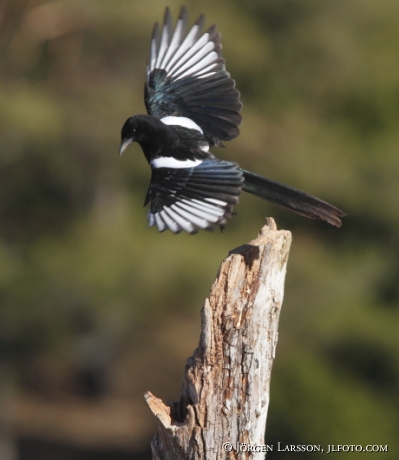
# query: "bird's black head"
145,130
129,133
148,131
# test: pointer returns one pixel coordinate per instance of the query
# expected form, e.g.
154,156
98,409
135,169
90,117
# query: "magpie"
193,105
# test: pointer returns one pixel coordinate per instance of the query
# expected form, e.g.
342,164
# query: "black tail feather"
292,198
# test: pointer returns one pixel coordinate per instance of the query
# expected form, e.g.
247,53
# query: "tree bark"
225,391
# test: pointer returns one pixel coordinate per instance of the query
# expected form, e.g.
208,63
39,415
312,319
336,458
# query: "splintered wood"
225,391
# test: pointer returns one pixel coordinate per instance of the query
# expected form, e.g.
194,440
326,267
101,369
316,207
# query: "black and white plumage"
193,105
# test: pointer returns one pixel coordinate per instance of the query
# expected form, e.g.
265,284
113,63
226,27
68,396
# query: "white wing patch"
185,123
183,48
219,202
199,213
170,162
188,215
210,210
181,121
191,57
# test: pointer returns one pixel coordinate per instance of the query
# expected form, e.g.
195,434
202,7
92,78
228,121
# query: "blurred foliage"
320,86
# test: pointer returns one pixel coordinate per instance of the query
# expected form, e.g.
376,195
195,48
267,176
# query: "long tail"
292,198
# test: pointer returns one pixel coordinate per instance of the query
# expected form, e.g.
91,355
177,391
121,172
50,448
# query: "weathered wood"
225,391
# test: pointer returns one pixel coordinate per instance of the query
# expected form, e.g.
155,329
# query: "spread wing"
194,198
186,76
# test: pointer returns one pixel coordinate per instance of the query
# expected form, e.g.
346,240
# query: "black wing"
194,198
186,76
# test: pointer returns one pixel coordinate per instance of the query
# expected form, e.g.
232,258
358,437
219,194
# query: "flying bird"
193,105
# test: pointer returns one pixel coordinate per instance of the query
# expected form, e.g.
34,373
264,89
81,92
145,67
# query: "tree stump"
225,392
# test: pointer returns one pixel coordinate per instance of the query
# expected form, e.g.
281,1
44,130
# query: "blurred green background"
95,308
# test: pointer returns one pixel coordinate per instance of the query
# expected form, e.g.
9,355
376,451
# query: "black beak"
124,145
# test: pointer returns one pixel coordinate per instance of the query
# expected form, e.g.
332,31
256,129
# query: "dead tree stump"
225,392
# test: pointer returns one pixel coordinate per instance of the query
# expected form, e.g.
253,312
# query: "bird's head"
128,134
